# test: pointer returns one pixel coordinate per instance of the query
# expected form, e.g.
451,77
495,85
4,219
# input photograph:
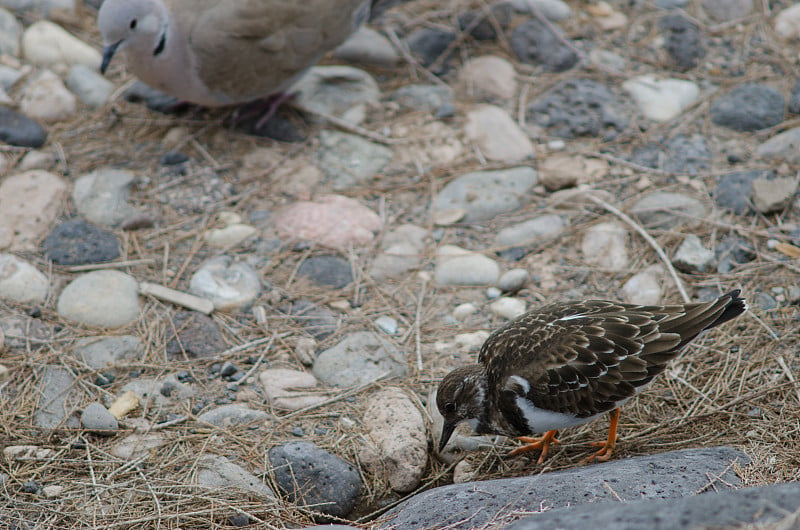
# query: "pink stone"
29,203
333,221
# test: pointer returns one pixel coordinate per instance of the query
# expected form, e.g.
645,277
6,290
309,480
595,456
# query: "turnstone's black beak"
108,54
447,432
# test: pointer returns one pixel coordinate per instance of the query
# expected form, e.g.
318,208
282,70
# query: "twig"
647,237
258,361
353,128
788,374
252,343
764,325
418,325
113,265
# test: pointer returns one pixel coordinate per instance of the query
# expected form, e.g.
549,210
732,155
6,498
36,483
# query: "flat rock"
554,10
227,283
485,194
774,506
482,23
497,136
106,299
559,171
605,245
137,445
473,504
21,282
458,266
195,334
429,46
396,444
350,160
330,271
98,353
359,358
218,473
56,396
423,97
507,307
232,415
513,280
333,221
10,33
97,419
102,197
313,477
784,146
29,203
773,195
538,229
726,10
19,130
290,389
666,210
77,242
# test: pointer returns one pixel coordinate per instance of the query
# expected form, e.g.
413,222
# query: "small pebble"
463,311
513,280
387,324
507,307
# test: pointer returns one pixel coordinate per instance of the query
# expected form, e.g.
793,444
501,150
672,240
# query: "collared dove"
224,52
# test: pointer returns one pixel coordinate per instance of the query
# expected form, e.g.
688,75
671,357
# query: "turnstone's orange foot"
607,446
567,364
532,444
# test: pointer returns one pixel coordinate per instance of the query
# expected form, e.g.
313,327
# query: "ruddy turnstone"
566,364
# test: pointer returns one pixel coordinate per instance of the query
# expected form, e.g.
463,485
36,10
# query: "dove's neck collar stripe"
162,42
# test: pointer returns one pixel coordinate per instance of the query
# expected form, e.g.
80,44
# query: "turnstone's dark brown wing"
584,358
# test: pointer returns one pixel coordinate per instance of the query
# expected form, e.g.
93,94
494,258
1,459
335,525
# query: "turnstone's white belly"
541,420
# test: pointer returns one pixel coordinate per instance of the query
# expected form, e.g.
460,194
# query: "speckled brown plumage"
575,359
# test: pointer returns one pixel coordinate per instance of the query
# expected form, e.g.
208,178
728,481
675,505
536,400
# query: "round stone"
106,299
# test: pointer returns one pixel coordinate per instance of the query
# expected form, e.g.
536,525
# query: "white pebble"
463,311
507,307
387,324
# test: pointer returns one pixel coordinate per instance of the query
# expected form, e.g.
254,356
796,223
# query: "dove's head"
138,25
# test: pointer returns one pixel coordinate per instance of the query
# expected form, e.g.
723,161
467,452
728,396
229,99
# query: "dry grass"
736,386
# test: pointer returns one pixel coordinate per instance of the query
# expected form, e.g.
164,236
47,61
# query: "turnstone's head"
461,397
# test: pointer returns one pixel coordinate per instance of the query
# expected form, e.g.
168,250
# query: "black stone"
104,379
579,107
198,335
684,42
733,190
481,25
173,158
429,44
314,477
749,107
19,130
513,253
534,42
239,520
78,242
332,271
228,369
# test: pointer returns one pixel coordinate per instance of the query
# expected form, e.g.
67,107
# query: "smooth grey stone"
485,194
316,478
197,335
78,242
772,506
474,504
359,358
684,42
534,42
665,210
331,271
102,352
749,107
513,280
90,86
217,472
96,418
57,395
229,415
734,189
319,322
580,107
423,97
19,130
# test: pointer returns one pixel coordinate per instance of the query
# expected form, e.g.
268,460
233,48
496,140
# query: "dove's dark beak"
447,432
108,54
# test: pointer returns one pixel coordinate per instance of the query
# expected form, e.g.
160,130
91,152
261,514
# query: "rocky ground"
211,326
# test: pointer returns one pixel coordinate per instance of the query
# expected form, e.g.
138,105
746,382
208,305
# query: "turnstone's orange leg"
542,443
604,454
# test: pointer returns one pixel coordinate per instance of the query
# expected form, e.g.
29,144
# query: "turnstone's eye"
450,407
133,24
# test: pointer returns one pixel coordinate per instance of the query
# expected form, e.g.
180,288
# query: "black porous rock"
579,107
772,506
733,190
534,42
78,242
684,42
749,107
661,476
19,130
689,155
315,478
332,271
197,335
482,25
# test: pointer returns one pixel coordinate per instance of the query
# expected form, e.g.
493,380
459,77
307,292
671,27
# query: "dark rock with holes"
197,335
534,42
660,476
579,107
19,130
689,155
683,41
482,25
774,506
331,271
749,107
429,44
733,190
315,478
78,242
